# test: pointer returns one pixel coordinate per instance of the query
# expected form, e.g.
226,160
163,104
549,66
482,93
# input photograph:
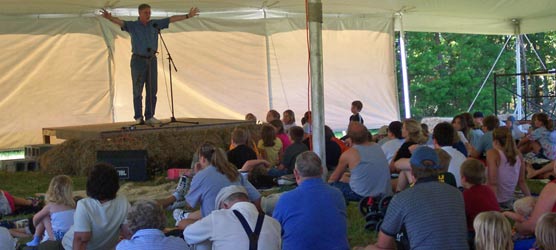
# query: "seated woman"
212,173
506,169
412,132
146,220
98,218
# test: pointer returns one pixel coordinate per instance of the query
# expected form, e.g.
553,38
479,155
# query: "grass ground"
26,184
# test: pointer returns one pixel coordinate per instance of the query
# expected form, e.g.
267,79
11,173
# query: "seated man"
237,225
369,174
146,220
313,216
429,215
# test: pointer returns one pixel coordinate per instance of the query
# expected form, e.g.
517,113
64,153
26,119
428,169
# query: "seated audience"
396,140
288,118
443,136
56,217
272,115
287,163
250,117
269,145
475,128
281,134
240,153
362,170
492,232
99,217
10,204
313,216
146,220
545,232
237,224
505,168
429,215
539,141
411,131
476,196
545,203
485,143
212,173
511,123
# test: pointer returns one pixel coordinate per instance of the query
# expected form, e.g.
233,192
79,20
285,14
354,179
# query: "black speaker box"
130,164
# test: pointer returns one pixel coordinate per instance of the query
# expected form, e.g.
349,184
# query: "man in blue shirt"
144,45
313,216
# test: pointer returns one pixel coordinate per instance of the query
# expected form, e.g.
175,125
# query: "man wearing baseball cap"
429,215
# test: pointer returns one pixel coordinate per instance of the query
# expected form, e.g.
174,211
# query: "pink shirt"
286,142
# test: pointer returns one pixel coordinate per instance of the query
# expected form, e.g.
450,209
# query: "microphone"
155,25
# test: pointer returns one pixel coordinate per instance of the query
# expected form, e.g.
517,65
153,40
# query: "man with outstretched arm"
144,45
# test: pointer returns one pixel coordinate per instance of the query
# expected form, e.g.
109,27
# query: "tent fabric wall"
75,70
54,73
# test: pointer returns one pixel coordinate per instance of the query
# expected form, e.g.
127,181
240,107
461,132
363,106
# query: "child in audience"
476,196
538,141
272,115
240,152
356,107
545,231
281,134
56,217
492,232
10,204
522,211
269,146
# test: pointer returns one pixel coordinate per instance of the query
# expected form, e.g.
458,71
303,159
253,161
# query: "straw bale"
165,148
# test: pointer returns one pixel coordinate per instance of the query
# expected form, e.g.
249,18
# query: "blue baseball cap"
423,154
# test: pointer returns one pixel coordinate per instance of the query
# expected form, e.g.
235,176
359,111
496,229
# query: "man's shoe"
140,121
182,187
152,121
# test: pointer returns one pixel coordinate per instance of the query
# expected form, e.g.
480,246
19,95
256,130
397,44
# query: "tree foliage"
446,70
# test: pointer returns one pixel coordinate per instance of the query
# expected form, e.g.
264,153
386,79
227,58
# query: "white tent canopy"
64,65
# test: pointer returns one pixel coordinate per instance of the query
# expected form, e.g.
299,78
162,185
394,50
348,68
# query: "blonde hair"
492,232
415,132
525,205
60,191
545,231
503,136
217,157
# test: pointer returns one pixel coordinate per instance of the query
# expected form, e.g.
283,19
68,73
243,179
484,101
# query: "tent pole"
518,41
404,69
317,80
488,75
268,70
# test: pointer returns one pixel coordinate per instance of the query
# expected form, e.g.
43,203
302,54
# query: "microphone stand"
170,65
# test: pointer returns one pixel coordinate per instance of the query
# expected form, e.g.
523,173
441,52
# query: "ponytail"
217,158
504,137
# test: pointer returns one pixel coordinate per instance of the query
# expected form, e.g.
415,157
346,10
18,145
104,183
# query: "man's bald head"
358,133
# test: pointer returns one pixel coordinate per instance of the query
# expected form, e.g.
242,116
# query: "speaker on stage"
130,164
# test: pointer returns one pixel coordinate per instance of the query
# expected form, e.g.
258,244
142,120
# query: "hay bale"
165,148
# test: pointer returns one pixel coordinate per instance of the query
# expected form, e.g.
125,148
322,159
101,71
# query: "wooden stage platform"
108,130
